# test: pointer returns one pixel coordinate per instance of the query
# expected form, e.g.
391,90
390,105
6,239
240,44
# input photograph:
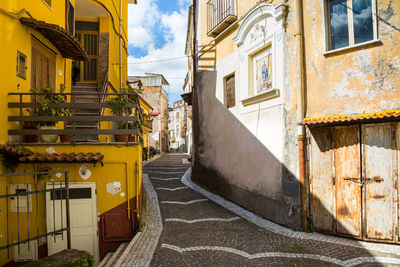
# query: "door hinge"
97,232
333,180
95,191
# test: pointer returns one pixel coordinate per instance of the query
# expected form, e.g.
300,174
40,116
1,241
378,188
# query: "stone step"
105,259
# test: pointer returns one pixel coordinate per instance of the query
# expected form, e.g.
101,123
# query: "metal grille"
26,204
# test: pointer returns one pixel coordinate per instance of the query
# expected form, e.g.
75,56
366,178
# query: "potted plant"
30,138
49,97
119,100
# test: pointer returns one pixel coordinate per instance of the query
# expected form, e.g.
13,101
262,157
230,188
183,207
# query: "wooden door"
379,158
88,69
347,179
43,66
322,183
83,228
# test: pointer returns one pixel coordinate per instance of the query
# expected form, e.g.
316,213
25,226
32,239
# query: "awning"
62,39
373,117
62,158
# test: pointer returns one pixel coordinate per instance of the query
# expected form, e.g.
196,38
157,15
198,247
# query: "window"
350,22
21,65
230,91
262,71
69,17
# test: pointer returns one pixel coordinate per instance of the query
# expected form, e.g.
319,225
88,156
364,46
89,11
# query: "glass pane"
338,23
363,23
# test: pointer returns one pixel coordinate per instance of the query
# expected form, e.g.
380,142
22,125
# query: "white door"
83,218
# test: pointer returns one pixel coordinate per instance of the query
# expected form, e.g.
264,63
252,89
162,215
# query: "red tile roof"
63,158
382,116
13,151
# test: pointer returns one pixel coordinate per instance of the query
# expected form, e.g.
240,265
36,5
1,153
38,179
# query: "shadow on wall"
232,162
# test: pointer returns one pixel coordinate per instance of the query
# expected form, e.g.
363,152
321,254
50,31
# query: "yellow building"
78,50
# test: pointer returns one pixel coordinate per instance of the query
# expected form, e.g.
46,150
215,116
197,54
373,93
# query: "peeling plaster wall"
364,79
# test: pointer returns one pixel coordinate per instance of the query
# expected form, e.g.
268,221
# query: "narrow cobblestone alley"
198,232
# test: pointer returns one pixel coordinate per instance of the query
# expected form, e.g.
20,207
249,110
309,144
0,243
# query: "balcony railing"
127,122
220,14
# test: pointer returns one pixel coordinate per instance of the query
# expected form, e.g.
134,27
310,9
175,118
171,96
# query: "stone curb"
141,252
277,229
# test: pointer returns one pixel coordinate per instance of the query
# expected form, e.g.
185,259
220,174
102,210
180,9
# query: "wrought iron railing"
130,116
25,207
218,13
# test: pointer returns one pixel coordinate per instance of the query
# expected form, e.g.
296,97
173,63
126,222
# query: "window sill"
344,49
270,94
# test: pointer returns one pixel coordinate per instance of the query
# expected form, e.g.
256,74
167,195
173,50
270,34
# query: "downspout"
299,36
120,44
194,96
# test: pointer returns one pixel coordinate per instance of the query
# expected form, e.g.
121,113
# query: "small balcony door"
88,36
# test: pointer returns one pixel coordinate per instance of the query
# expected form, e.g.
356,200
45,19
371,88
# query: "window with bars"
21,65
230,91
349,22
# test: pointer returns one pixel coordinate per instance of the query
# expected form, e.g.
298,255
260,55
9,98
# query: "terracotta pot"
52,138
65,138
132,138
120,137
31,138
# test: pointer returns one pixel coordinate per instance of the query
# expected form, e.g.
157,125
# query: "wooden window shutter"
230,91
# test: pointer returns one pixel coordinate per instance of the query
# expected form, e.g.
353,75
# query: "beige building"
154,93
295,106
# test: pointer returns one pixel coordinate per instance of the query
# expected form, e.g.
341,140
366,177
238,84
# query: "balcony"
220,15
103,121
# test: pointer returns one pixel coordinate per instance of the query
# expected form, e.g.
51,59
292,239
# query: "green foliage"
10,163
53,98
65,258
128,95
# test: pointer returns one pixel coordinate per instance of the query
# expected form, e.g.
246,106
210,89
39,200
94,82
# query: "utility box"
24,201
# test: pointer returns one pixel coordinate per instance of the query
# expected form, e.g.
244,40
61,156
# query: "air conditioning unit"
26,253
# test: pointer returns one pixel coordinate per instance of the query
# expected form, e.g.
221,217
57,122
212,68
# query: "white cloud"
174,25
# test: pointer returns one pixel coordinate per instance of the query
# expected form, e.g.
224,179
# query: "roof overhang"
187,98
61,38
373,117
62,158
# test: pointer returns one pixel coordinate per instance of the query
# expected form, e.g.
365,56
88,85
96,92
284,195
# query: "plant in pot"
117,110
47,98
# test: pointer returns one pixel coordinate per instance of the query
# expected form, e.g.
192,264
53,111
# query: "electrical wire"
152,61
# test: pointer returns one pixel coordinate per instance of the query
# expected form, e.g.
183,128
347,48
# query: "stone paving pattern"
220,238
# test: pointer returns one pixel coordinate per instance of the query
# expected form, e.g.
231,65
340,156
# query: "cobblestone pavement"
196,231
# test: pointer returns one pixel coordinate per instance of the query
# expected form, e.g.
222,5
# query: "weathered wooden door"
322,183
379,178
353,180
43,66
346,142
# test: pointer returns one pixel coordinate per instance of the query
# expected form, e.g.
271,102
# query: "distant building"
177,127
153,86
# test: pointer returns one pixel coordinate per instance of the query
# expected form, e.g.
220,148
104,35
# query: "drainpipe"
120,44
299,35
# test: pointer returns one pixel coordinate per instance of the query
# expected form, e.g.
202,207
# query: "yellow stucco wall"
122,165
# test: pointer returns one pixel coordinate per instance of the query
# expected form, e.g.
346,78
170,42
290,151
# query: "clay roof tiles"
382,116
63,158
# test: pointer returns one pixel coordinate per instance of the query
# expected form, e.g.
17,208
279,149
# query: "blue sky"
157,30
